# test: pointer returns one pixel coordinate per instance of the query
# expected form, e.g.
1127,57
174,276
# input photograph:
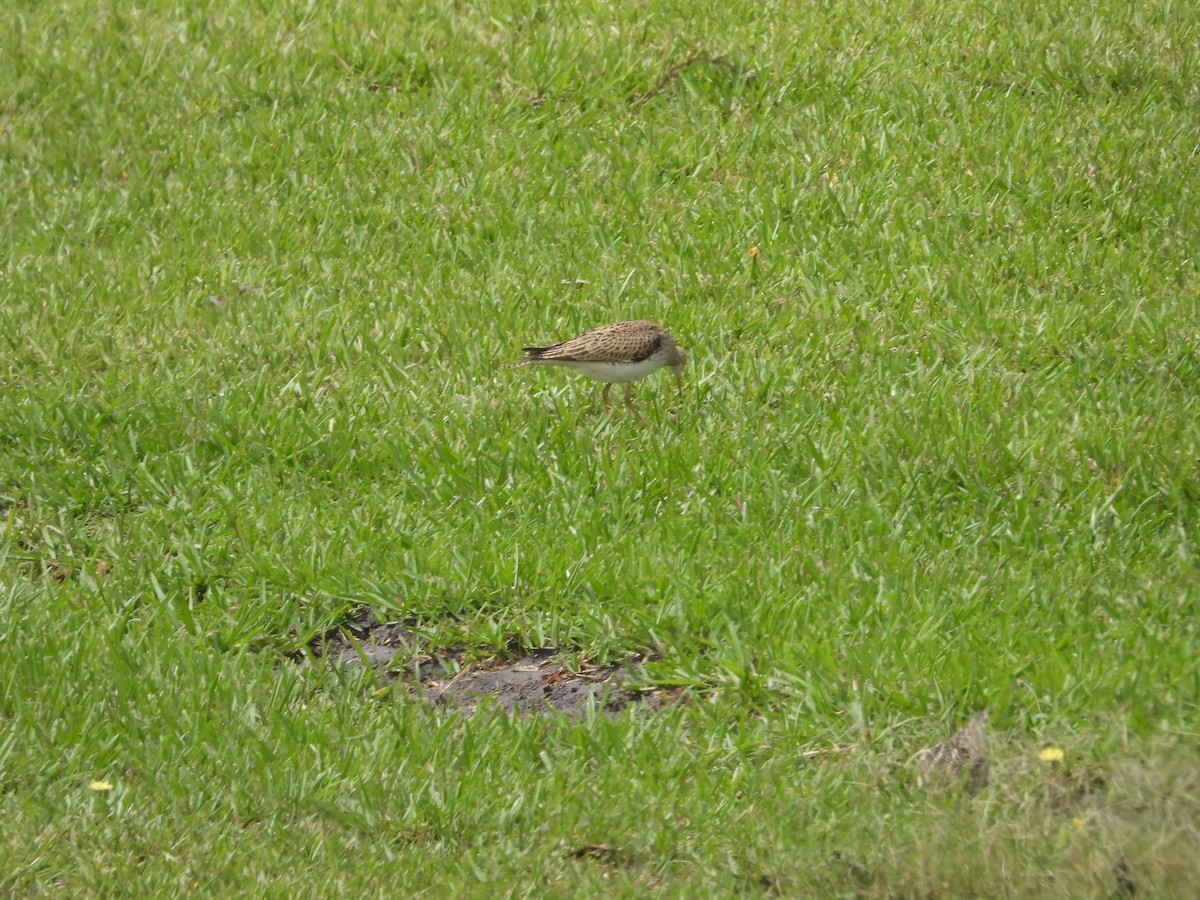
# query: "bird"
618,353
965,752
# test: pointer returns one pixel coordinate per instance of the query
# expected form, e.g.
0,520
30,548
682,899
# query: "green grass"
939,447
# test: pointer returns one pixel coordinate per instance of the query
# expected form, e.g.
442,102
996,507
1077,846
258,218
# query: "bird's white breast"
624,372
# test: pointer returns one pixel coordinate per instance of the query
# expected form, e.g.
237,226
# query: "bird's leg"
604,395
629,400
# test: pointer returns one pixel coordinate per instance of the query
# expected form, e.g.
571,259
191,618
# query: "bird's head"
678,361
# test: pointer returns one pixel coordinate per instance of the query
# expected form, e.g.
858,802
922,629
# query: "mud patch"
365,641
540,681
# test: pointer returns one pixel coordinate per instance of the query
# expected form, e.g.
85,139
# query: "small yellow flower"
1051,754
101,785
753,252
1077,822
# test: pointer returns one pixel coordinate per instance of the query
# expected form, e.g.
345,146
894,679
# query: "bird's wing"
620,342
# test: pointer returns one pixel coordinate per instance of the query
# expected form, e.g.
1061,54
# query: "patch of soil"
539,682
366,641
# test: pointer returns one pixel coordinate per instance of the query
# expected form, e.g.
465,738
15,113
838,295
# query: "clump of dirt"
541,681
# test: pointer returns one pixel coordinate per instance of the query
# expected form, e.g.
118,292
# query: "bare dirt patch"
539,681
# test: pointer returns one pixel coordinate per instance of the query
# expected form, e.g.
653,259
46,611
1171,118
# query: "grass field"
938,448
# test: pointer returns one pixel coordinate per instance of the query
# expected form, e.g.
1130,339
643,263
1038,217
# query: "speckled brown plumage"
620,353
965,752
618,342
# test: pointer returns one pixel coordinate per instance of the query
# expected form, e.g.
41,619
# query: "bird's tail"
532,355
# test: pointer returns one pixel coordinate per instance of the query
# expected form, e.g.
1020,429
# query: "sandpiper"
620,353
965,751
